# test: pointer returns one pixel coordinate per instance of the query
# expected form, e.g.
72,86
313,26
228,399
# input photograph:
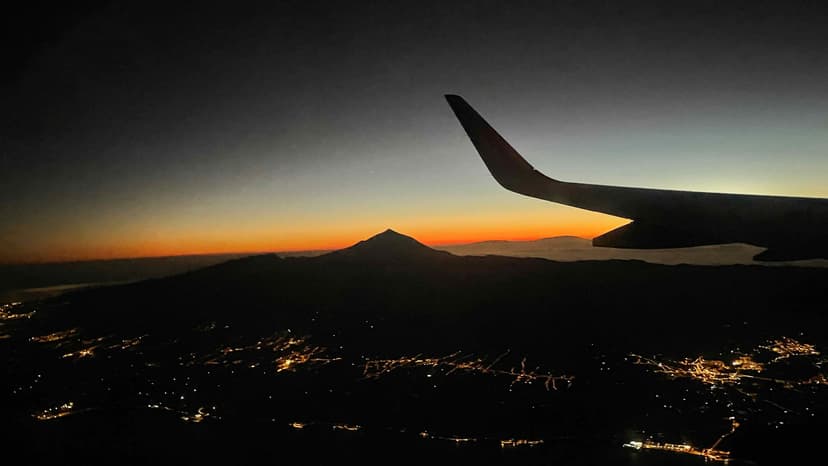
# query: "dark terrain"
262,343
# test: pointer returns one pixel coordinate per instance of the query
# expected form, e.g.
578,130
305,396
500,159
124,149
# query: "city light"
710,453
66,409
291,352
715,372
514,443
6,312
456,362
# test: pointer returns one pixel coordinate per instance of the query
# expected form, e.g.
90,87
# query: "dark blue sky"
144,129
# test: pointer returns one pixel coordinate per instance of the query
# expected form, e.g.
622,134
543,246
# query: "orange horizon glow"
263,241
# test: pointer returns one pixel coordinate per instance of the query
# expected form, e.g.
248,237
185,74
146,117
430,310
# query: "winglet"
506,165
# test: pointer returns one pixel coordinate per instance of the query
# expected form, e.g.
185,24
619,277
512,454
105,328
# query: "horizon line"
260,252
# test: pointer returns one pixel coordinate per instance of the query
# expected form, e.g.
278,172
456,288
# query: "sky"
139,129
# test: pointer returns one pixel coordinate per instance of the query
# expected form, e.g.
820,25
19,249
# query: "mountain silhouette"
23,282
394,274
389,247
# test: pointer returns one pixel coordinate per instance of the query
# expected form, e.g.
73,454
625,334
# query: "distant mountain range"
391,272
26,281
573,248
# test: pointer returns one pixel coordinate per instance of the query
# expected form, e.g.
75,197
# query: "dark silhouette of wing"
791,227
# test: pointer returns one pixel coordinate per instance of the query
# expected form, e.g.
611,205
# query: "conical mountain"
388,246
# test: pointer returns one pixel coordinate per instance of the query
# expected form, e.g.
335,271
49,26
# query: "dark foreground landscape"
391,352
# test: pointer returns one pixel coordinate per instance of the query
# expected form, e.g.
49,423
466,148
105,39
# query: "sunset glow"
317,234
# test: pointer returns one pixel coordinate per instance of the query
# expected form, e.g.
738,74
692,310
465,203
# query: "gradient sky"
140,130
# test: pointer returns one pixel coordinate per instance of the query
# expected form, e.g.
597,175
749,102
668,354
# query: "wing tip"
505,164
455,101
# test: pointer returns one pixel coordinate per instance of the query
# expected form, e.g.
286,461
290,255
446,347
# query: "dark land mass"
21,276
262,343
24,282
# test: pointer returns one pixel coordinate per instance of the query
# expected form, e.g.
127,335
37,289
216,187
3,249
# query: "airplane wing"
792,227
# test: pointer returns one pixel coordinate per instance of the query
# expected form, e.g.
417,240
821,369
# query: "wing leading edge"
792,227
